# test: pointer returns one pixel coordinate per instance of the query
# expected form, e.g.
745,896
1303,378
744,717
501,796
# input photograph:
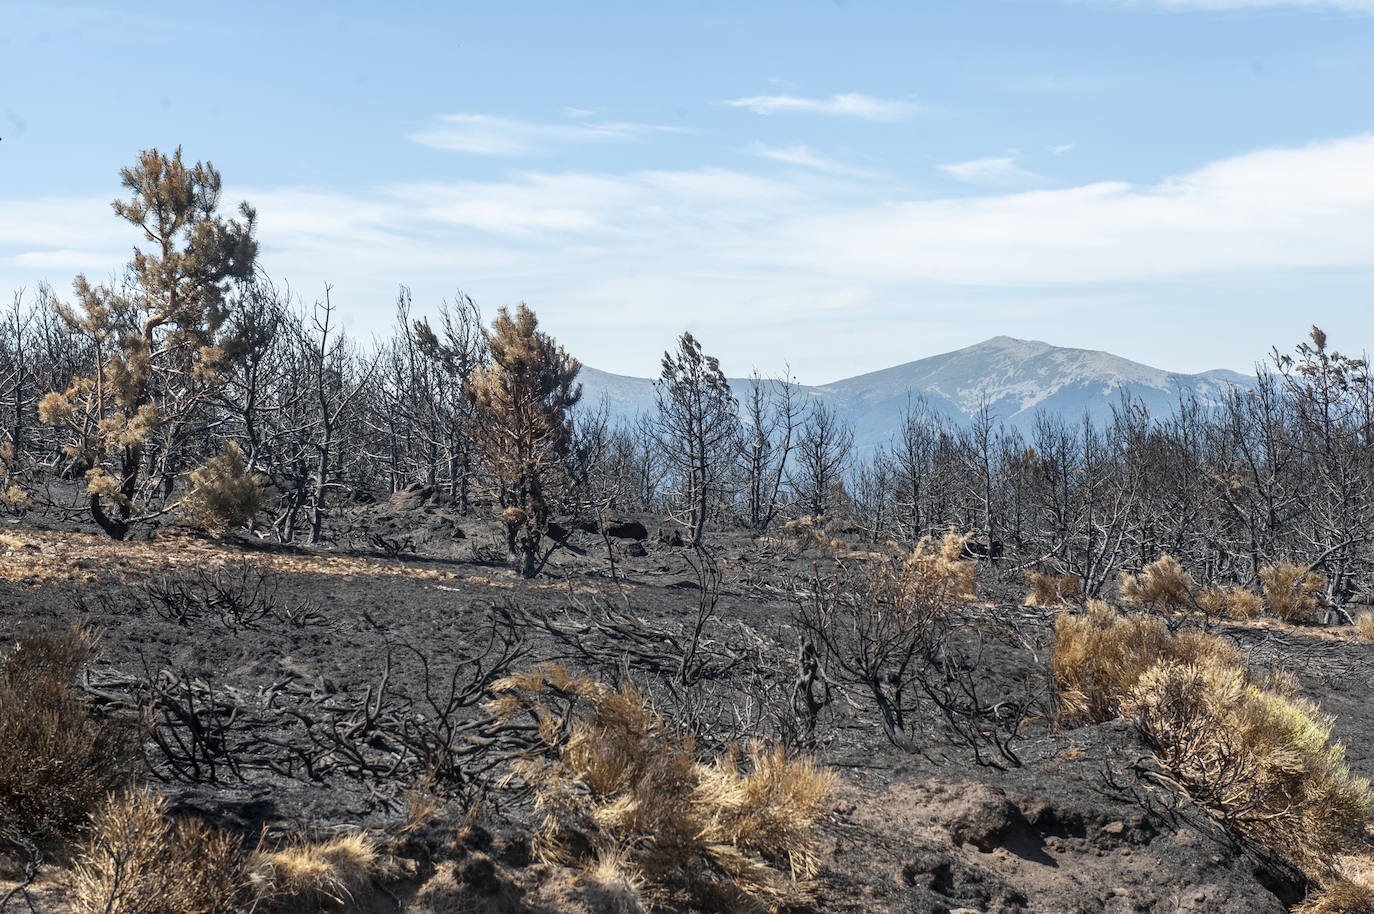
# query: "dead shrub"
885,631
309,875
57,761
936,573
1234,602
139,860
1162,585
1053,589
810,531
1262,762
1292,592
1098,657
1364,624
608,768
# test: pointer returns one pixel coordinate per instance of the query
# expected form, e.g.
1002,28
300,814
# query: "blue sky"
841,186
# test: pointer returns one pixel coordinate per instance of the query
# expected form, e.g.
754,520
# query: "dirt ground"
410,598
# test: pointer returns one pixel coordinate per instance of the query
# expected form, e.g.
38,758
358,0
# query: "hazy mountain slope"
1018,378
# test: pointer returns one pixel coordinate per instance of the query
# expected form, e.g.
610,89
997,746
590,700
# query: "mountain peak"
1016,378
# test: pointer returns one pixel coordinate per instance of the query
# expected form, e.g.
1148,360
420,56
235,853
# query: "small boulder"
624,528
983,817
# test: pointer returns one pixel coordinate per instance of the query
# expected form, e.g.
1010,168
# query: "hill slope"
1016,378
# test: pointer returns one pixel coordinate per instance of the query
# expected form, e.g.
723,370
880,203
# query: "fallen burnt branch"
429,727
237,595
607,634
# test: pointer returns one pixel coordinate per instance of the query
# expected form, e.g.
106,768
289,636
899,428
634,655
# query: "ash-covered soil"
343,686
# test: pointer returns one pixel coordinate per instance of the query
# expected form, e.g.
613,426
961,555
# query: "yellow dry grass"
1351,891
43,557
1098,657
308,875
737,832
1249,749
1161,585
1049,590
1232,602
1364,625
810,530
935,573
1262,761
139,860
1292,592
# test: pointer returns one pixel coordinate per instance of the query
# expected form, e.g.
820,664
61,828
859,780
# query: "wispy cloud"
1060,149
485,134
641,250
802,156
850,104
998,170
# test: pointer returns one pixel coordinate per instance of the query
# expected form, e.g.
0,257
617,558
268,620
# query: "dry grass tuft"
1049,590
1292,592
140,860
810,531
57,762
1350,892
1098,657
1250,750
935,573
309,875
1364,624
1263,762
621,887
1234,602
1162,585
737,833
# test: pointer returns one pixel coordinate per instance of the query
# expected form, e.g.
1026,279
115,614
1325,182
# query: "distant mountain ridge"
1016,378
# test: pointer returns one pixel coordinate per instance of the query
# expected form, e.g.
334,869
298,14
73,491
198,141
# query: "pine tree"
522,398
695,428
159,338
223,493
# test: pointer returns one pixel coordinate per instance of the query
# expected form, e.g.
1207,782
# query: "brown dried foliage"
57,761
140,860
1161,585
738,837
1351,891
1234,602
1098,657
312,875
1292,592
1053,589
1264,763
1252,751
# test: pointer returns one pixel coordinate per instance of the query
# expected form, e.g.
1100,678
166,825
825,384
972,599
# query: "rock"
669,536
983,817
636,550
625,529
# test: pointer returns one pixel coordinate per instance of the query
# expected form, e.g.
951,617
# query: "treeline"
196,384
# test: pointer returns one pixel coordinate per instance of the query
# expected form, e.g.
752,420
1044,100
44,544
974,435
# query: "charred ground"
283,688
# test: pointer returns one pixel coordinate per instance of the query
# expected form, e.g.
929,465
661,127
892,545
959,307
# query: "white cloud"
484,134
851,104
990,170
652,250
1060,149
803,156
1307,207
